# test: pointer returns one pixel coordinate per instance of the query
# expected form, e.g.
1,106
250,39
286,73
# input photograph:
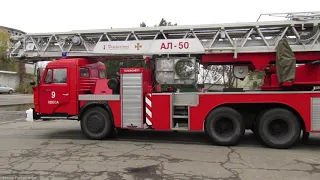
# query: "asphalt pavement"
15,99
59,150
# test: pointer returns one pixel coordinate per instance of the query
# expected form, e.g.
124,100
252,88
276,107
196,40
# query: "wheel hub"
95,123
224,127
278,128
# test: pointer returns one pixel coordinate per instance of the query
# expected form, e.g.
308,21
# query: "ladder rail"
251,37
182,27
294,15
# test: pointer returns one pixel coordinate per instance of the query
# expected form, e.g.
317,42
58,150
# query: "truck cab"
62,81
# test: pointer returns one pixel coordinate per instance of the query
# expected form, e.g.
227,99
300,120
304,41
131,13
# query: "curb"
11,105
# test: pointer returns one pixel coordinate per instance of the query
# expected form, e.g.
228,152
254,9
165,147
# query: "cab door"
54,92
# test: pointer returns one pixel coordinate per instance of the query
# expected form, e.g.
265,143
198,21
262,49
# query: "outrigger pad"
285,62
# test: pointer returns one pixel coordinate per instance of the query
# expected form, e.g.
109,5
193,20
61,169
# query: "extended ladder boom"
302,34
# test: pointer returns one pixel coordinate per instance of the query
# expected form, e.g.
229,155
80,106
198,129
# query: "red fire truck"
74,83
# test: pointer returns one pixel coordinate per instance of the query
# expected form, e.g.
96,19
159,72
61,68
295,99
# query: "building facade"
12,31
9,78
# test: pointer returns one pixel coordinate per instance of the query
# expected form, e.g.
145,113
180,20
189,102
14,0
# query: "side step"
179,117
59,117
180,129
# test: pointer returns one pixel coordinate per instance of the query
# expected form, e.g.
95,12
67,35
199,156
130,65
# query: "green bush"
24,89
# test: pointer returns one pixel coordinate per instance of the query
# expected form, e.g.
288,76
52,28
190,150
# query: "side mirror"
32,83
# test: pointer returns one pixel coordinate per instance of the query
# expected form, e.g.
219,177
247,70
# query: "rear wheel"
278,128
225,126
10,91
255,125
96,123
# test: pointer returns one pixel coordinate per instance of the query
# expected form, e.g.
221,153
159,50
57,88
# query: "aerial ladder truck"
74,85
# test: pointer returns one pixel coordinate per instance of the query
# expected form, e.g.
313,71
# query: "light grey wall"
11,79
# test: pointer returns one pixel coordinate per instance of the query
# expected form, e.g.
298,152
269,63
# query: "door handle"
47,90
66,94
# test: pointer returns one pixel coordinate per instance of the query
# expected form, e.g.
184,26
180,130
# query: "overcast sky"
63,15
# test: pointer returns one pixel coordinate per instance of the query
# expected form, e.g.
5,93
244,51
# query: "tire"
255,125
10,92
228,117
96,123
283,123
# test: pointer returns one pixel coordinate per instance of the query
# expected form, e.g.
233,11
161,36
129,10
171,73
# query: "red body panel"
258,60
86,84
130,70
209,101
161,106
306,75
36,104
147,81
101,87
56,97
161,111
52,99
63,97
115,107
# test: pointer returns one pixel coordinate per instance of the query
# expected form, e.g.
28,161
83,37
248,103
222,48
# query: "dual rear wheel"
276,127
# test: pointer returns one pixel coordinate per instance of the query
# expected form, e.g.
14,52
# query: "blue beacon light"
64,54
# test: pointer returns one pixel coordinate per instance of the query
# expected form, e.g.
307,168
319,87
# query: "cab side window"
48,79
84,72
60,75
102,73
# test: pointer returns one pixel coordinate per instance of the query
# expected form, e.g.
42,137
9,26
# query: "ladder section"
131,100
302,35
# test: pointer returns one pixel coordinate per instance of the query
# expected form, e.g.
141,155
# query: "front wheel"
278,128
225,126
96,123
10,91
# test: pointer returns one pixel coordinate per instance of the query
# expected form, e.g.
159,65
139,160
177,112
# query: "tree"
143,24
210,74
257,77
5,63
9,65
162,22
216,75
228,77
